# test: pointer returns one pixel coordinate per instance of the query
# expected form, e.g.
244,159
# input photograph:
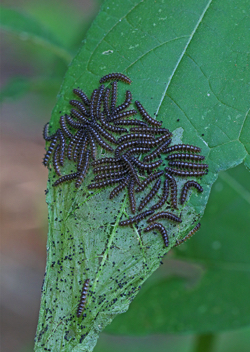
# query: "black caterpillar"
164,215
136,218
164,196
186,187
160,228
151,194
115,76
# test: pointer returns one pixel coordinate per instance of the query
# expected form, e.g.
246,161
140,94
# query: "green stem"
205,343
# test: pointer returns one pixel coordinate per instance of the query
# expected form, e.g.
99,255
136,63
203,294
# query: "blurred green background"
31,74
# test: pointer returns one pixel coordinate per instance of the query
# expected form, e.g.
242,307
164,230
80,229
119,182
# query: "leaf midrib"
182,54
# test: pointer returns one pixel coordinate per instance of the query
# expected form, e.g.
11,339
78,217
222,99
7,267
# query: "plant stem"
204,343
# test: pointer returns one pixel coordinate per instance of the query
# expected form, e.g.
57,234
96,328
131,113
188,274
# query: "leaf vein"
183,53
152,49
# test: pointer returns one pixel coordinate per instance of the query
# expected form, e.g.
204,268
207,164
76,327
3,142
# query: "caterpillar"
186,187
131,169
46,133
164,196
119,188
92,146
152,130
73,142
111,128
65,178
191,233
182,164
127,145
182,147
140,142
110,175
105,161
99,140
161,229
132,136
79,144
73,123
126,103
82,153
79,106
82,95
164,215
113,97
162,139
64,128
106,102
93,104
83,298
184,173
148,180
130,122
157,152
151,194
107,168
145,166
76,114
83,172
185,156
121,115
146,116
136,218
136,150
55,160
62,146
99,100
173,190
115,76
50,150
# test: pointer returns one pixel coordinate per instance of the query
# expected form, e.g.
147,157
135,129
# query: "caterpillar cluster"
136,146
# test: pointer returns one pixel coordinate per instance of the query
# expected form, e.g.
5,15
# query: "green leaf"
207,278
187,66
27,28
